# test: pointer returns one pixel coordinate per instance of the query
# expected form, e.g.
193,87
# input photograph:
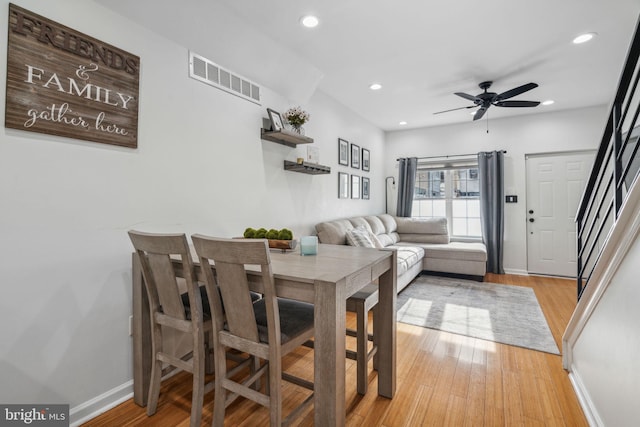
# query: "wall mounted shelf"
285,137
309,168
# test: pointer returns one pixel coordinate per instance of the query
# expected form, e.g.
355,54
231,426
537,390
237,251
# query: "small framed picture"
343,185
355,187
365,188
276,120
365,159
355,156
343,152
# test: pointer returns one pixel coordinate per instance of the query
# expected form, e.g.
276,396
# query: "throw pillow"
376,242
359,237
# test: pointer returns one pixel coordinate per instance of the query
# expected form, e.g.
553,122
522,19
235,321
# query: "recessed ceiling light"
402,123
375,86
548,102
583,38
309,21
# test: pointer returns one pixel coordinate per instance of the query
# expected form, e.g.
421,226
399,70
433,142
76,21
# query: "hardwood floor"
443,380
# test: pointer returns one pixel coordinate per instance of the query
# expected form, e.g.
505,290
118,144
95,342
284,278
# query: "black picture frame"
355,156
366,159
355,186
343,185
276,120
365,188
343,152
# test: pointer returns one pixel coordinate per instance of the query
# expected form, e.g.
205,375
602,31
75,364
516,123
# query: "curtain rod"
453,155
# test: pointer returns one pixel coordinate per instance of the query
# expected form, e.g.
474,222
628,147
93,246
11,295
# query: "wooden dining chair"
174,309
268,329
361,303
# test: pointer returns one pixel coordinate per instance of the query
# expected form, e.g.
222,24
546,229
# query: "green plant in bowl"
285,234
272,234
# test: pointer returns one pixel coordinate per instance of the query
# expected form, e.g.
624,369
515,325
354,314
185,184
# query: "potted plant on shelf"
296,117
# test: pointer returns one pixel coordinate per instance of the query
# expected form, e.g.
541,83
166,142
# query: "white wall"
601,344
200,167
539,133
605,358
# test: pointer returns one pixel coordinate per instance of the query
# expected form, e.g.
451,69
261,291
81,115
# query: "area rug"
501,313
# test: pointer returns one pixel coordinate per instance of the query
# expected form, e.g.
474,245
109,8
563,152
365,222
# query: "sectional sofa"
422,244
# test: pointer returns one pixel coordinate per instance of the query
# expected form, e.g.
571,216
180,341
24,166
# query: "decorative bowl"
282,244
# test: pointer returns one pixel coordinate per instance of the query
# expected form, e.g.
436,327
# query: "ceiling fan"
487,99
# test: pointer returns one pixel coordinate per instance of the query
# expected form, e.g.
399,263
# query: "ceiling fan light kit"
486,99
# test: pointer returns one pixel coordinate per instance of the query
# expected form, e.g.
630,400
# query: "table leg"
141,335
385,327
329,353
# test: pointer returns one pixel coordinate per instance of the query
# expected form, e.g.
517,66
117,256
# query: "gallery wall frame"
355,156
355,186
343,185
343,152
365,188
366,159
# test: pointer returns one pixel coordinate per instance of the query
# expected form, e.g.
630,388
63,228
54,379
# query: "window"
451,192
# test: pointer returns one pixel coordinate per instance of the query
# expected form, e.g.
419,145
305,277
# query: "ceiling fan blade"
478,115
517,103
466,96
516,91
454,109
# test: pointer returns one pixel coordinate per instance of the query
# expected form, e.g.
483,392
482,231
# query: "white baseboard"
99,404
516,271
588,408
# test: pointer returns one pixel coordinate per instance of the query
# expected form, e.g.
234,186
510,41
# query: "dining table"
326,280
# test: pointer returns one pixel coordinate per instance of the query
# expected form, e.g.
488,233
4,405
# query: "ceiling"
420,51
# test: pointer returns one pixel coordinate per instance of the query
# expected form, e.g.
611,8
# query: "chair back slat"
154,252
166,285
231,256
234,288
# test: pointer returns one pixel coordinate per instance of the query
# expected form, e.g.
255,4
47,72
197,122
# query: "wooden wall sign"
63,82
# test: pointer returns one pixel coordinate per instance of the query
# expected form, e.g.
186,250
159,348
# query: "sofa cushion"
334,232
389,223
376,225
383,226
408,256
360,222
427,230
462,251
388,239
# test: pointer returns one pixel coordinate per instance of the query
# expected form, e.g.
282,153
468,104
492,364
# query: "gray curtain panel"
491,174
406,182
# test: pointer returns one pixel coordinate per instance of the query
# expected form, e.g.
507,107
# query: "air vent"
209,72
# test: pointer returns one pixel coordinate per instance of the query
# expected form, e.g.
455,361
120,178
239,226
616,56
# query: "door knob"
530,211
531,220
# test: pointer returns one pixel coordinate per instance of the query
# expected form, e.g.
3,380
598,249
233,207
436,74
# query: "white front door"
555,183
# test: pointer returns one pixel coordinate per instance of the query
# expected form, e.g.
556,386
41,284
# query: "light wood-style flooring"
443,379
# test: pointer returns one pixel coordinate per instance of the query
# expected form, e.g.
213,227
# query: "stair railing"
614,170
